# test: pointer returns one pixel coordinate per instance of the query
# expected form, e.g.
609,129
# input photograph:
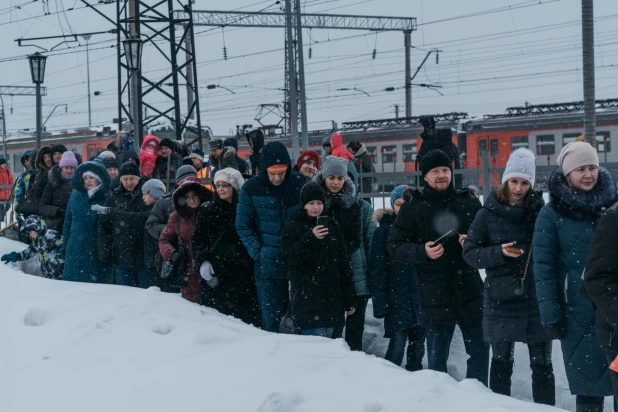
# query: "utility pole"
408,45
588,68
301,76
189,56
3,126
292,77
87,37
396,111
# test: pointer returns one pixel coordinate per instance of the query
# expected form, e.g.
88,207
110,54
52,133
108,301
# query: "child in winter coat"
338,150
46,244
148,155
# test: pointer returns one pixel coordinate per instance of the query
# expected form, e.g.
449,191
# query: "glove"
555,331
10,257
207,272
174,258
102,210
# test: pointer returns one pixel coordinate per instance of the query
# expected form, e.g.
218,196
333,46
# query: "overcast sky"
493,56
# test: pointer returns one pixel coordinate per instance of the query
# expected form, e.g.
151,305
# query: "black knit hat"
168,143
129,169
57,148
311,191
435,158
2,161
109,162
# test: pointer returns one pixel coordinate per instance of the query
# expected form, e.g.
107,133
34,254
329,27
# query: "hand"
462,238
509,254
102,210
555,331
206,270
320,231
433,252
175,257
350,311
10,257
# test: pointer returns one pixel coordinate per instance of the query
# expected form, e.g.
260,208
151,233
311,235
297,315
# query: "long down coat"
562,236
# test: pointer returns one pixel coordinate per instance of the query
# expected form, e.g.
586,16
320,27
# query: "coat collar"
578,203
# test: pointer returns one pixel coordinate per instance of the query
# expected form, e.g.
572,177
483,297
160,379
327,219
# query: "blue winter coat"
79,241
562,236
264,209
392,284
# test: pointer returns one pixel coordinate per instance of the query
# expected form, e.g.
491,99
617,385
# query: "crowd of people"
293,247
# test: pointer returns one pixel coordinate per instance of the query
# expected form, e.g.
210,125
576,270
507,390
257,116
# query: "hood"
77,181
444,136
55,176
34,222
326,141
257,136
381,216
336,140
571,201
32,159
352,173
229,152
275,153
148,139
346,198
187,186
361,151
429,124
230,141
125,155
39,164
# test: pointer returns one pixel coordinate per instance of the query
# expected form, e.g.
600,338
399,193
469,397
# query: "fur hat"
577,154
185,171
435,158
334,166
231,176
57,148
155,188
307,155
68,160
311,191
169,143
520,165
129,169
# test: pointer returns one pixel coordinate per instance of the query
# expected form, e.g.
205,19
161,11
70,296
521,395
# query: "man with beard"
429,233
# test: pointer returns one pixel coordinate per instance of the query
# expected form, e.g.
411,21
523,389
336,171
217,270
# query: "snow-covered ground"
79,347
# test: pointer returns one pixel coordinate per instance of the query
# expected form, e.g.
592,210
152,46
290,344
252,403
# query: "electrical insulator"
310,52
224,53
437,58
374,54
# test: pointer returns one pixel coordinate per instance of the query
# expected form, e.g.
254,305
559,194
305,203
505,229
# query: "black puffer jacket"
120,234
257,137
319,271
494,225
53,204
215,240
449,289
160,170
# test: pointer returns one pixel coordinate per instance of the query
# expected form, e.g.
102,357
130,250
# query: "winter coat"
41,176
319,271
601,278
441,139
264,209
345,208
450,291
215,240
392,284
79,235
254,158
336,142
160,170
120,235
562,236
225,160
6,178
363,163
46,247
243,167
148,161
22,202
151,244
494,225
55,199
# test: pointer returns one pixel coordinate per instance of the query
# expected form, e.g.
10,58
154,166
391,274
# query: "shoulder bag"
509,288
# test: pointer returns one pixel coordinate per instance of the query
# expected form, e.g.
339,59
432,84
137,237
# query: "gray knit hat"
334,166
155,188
520,165
185,171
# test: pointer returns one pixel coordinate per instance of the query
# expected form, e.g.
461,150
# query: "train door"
410,152
389,158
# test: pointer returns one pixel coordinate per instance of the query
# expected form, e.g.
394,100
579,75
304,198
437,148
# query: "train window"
519,141
410,151
493,147
545,145
569,137
388,156
373,152
17,163
603,142
482,146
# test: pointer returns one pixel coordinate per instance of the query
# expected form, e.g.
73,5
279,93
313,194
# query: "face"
33,234
276,178
27,163
165,151
225,191
328,149
397,205
314,208
48,160
309,169
193,200
149,200
113,172
151,146
57,157
197,163
129,182
251,143
3,165
439,178
518,188
216,153
68,170
584,178
334,183
90,182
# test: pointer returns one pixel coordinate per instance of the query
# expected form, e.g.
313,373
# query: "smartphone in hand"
322,221
442,239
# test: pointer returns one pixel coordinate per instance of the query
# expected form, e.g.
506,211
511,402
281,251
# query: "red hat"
307,155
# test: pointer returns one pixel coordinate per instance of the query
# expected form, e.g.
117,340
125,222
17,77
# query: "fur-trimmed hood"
380,214
346,198
40,164
577,203
190,185
77,181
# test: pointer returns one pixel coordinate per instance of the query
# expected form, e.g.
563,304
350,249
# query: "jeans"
132,276
540,353
354,325
273,297
415,337
323,332
439,339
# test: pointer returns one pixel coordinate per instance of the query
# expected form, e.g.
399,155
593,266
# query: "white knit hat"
231,176
520,165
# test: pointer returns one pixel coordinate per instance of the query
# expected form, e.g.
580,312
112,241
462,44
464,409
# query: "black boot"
416,349
543,384
589,403
500,377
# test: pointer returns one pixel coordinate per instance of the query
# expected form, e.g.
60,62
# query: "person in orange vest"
6,178
204,170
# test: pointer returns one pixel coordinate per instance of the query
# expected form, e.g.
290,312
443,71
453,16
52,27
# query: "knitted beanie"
129,169
577,154
155,188
184,172
68,160
334,166
306,156
397,193
311,191
520,165
231,176
435,158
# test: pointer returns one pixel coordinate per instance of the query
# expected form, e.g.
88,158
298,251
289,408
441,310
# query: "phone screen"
322,221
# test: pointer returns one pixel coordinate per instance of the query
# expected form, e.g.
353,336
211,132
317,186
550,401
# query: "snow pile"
76,347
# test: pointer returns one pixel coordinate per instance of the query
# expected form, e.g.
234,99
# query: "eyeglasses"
223,186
